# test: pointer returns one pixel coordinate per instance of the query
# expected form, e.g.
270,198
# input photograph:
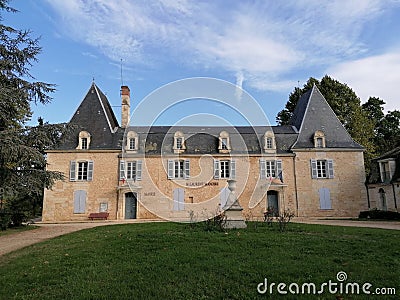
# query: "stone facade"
324,180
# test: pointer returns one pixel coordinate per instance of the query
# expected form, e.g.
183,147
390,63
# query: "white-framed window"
81,170
319,139
178,169
132,141
270,168
224,145
84,143
179,142
130,170
322,168
269,142
224,169
84,140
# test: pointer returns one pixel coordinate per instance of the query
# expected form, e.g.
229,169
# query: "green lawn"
174,261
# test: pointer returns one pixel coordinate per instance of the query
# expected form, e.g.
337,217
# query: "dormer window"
179,142
224,142
84,143
84,140
132,141
319,139
269,142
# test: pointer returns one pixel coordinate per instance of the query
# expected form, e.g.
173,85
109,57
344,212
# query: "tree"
386,127
22,163
346,105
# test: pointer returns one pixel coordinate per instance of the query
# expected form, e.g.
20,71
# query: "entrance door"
130,205
272,201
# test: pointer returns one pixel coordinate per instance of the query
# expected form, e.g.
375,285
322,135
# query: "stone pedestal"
233,210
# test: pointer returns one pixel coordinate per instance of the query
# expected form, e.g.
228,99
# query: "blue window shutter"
179,199
278,167
90,170
187,169
223,197
72,170
328,203
122,170
216,169
139,170
262,169
325,198
79,202
170,169
232,165
314,173
330,168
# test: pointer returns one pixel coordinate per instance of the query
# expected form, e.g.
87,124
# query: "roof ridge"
102,106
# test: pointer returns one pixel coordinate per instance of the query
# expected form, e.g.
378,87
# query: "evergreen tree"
23,174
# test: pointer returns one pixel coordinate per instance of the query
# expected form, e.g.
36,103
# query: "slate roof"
201,140
313,113
375,176
96,116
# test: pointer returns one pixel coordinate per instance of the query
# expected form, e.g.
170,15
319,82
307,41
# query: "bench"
99,215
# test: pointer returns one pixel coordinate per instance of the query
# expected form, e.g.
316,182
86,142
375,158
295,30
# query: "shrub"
379,214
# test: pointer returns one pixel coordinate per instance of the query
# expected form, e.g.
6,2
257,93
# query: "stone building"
384,182
311,167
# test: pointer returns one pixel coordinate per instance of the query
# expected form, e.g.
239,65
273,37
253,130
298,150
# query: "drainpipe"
394,196
295,184
369,204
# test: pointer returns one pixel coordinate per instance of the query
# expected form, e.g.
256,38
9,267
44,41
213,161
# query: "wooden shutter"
223,197
79,202
72,170
170,169
187,169
330,168
314,173
216,169
90,171
122,170
262,169
139,170
278,165
325,198
232,166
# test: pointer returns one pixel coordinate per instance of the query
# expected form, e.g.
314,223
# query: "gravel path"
12,242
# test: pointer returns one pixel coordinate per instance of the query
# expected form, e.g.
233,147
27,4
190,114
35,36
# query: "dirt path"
12,242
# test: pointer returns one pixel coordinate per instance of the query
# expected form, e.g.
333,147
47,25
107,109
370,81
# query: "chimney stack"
126,105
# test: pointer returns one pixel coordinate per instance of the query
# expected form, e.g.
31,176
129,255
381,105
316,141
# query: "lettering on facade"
201,183
150,194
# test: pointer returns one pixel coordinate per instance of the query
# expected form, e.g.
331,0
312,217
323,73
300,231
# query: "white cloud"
375,76
263,40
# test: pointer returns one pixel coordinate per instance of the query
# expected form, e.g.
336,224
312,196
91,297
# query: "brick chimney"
126,105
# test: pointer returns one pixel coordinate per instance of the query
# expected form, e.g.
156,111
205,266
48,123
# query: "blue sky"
266,47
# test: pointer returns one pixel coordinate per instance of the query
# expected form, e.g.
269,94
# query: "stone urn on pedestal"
233,210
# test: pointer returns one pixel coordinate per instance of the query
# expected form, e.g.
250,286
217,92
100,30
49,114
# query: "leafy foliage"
346,105
22,148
